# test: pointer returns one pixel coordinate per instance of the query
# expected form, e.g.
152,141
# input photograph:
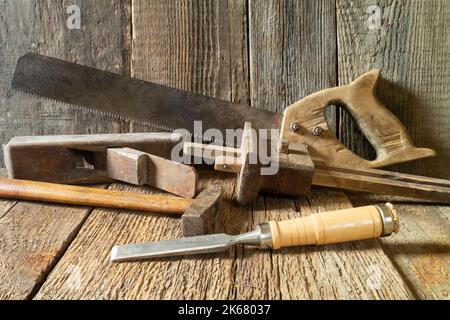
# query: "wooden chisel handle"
335,226
67,194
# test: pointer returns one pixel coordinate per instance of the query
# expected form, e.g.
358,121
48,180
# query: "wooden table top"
62,252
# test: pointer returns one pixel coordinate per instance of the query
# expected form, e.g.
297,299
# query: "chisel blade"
169,248
161,108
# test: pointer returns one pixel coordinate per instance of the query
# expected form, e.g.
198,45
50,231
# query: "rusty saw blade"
162,108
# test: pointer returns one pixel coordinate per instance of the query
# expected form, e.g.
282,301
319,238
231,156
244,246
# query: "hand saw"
166,109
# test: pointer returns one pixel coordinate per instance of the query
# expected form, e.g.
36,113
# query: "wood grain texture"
33,236
421,250
40,26
139,168
88,196
292,54
292,50
177,43
72,159
342,271
307,272
196,45
383,182
200,46
201,277
5,204
411,47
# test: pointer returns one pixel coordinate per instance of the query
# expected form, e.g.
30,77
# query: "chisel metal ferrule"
389,218
265,238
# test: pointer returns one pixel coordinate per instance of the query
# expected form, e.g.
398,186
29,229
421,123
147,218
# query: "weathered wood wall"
411,46
255,51
268,54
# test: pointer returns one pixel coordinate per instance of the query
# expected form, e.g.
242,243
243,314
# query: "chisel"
316,229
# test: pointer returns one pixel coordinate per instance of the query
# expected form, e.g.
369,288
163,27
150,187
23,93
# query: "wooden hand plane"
136,158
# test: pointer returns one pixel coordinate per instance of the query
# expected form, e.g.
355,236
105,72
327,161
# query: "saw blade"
164,108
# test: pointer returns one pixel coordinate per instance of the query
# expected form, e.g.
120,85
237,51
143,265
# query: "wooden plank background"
267,54
412,50
230,275
255,51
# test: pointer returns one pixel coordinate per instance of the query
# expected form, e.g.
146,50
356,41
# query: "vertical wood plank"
196,45
292,50
410,43
41,26
34,236
199,46
292,54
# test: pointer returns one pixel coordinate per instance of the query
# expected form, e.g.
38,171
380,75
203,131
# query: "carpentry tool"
75,159
297,173
303,125
294,176
197,214
316,229
167,109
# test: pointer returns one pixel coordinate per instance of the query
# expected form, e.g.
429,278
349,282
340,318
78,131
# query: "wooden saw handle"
333,227
382,129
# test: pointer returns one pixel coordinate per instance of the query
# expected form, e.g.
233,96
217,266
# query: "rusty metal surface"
162,108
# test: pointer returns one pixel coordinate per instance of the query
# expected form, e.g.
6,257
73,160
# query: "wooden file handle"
335,226
66,194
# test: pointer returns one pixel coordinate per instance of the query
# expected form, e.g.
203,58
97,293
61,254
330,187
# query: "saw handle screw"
295,126
317,131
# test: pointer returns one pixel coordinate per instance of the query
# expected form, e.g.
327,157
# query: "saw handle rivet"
317,131
295,126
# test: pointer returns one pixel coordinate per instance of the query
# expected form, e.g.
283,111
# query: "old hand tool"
297,173
316,229
166,109
75,159
197,214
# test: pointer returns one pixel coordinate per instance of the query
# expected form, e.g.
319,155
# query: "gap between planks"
58,256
